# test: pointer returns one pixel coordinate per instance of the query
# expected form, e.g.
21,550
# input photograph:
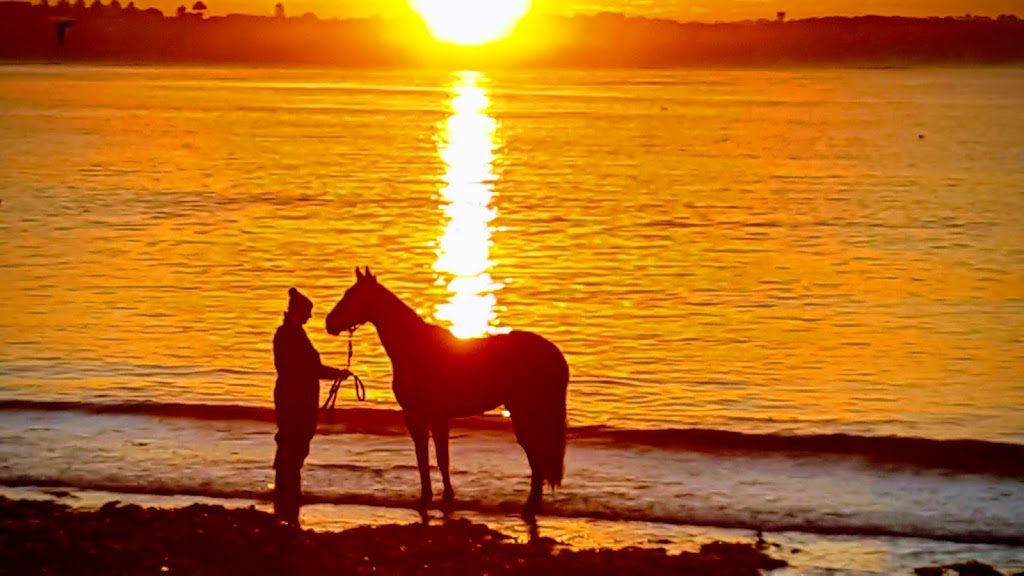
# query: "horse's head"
357,306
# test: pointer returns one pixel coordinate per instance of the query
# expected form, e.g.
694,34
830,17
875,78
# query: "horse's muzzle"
333,328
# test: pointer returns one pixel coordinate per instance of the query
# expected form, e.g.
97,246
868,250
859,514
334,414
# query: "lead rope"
357,382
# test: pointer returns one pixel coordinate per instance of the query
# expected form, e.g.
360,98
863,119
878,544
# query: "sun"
470,22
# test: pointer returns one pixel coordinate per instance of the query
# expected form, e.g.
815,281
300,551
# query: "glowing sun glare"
470,22
468,146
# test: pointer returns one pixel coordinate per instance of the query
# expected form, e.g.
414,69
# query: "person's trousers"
288,461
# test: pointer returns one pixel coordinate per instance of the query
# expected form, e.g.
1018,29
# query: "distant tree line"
112,32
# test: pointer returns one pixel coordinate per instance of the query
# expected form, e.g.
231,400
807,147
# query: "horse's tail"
554,467
554,457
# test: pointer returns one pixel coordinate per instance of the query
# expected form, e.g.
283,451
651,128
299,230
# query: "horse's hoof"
449,496
448,504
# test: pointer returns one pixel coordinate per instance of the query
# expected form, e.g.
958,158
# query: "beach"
38,537
45,537
44,530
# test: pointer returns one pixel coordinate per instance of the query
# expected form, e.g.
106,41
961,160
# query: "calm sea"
790,299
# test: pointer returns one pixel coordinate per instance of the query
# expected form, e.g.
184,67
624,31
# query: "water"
799,253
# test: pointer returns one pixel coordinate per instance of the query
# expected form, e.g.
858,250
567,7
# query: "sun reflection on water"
467,144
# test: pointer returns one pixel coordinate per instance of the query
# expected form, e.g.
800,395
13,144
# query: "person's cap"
298,301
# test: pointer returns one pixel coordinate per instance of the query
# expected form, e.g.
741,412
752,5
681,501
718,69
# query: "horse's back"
545,372
538,352
484,373
515,354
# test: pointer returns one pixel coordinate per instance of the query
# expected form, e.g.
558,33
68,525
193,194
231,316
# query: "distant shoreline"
127,35
198,64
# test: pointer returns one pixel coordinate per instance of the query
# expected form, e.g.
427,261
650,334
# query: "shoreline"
626,546
39,536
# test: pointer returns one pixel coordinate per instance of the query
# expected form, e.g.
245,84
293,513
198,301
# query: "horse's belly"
468,399
449,396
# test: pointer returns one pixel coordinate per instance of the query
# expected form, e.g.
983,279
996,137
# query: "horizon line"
781,16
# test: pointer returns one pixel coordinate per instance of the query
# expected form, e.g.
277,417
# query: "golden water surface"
777,250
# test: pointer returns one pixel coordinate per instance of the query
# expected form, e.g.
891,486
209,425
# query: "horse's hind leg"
533,501
527,438
439,428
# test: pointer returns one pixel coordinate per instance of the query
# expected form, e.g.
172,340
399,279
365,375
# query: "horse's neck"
398,326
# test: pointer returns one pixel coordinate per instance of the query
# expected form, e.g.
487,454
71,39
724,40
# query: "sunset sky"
703,10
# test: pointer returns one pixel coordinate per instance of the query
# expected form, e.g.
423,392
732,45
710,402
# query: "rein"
357,382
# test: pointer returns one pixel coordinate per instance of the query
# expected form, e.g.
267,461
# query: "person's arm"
331,373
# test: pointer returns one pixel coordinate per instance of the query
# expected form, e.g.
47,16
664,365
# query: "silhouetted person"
296,402
61,26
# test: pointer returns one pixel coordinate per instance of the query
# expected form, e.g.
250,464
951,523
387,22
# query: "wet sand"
42,537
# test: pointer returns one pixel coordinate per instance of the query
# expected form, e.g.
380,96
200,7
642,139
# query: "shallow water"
841,513
796,252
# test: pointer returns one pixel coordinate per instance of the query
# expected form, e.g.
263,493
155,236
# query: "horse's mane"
405,313
402,310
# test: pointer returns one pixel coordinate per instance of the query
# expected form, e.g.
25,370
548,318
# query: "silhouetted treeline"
611,39
110,32
116,34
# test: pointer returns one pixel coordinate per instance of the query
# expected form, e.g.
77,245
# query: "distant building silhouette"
61,25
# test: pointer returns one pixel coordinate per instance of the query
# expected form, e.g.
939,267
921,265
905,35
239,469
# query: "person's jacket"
297,391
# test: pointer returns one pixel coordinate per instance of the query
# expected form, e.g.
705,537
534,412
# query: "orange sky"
703,10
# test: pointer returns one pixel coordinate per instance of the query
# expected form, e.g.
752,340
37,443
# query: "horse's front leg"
439,428
421,438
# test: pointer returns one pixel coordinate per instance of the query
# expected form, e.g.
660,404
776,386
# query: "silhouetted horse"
438,376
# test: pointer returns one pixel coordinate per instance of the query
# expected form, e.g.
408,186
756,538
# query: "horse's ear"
359,275
370,274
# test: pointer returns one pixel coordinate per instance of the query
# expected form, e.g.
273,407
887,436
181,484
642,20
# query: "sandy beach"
41,537
46,537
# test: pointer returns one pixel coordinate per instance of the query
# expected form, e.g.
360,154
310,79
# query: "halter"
357,382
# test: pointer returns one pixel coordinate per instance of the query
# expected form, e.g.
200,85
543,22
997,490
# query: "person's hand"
342,373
